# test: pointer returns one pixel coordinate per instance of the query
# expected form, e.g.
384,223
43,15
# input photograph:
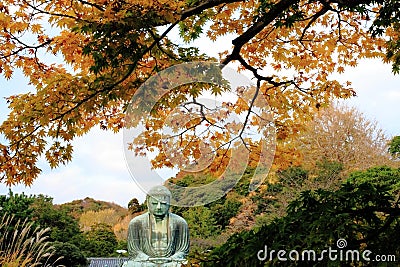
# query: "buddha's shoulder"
140,218
176,218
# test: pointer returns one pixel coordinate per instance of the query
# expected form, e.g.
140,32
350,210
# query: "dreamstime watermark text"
332,254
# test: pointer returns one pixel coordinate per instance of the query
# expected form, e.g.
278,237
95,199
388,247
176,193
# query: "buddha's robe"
148,239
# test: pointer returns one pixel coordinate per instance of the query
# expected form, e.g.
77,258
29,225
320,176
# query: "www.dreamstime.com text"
331,254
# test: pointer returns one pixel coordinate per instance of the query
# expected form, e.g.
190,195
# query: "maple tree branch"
193,127
270,16
225,152
78,104
18,142
339,27
255,71
190,12
255,95
256,28
24,46
203,119
238,43
92,4
259,77
203,115
352,3
52,14
204,5
314,18
196,10
130,70
160,46
301,89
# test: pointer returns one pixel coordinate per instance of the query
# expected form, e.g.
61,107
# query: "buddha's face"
158,206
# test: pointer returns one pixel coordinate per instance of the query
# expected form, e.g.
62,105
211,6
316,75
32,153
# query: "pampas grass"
23,245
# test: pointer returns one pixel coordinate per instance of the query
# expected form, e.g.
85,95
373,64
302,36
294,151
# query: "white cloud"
378,93
101,148
98,170
393,95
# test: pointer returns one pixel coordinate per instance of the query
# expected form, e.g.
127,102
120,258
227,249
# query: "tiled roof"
106,262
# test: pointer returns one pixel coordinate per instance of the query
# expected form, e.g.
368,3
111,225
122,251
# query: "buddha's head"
158,200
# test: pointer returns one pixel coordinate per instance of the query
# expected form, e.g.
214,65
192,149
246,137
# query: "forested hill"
76,230
77,207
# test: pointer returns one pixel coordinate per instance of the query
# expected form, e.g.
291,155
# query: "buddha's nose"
158,205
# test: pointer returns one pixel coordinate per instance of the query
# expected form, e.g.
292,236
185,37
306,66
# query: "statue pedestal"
154,262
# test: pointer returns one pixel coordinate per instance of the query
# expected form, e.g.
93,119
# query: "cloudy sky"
99,169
